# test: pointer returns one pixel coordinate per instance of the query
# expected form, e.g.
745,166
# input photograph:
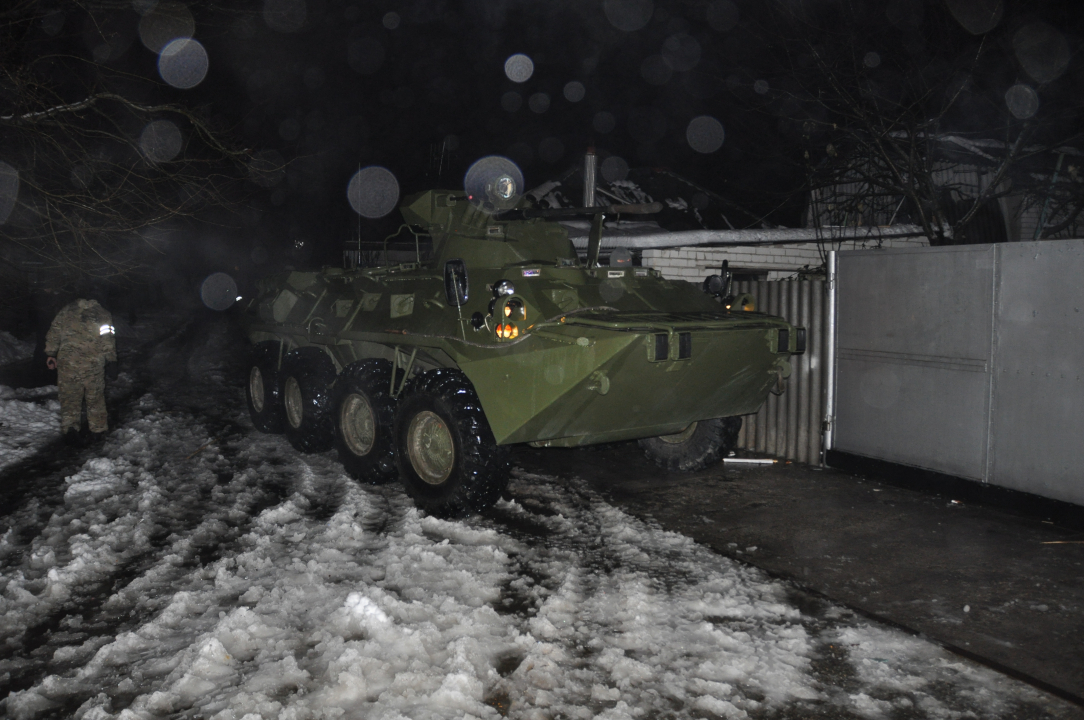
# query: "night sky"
718,91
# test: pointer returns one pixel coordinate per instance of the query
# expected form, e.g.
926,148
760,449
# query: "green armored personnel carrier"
429,371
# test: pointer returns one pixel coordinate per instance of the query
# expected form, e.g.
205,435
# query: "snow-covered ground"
192,567
29,419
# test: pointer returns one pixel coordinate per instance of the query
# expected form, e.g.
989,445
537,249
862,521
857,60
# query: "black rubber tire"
314,373
264,375
369,379
479,469
708,443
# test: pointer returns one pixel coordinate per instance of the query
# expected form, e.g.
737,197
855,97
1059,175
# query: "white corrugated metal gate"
964,360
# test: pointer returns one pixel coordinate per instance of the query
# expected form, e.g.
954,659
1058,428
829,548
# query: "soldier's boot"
71,437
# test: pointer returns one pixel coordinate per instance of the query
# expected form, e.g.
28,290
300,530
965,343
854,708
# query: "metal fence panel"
1038,409
964,360
913,356
789,425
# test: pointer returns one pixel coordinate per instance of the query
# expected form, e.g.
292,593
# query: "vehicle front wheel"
447,456
700,445
364,414
263,391
308,374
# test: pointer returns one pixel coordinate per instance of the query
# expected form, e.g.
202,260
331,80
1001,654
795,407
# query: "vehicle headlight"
515,310
507,331
503,287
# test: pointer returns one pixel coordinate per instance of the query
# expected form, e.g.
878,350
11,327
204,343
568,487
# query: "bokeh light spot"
164,23
160,141
705,134
52,23
1022,100
977,16
493,183
1041,50
574,91
9,190
391,20
723,15
655,70
218,291
511,101
761,87
681,51
519,68
539,103
373,192
628,15
614,169
267,168
603,122
142,7
183,63
871,60
365,55
285,16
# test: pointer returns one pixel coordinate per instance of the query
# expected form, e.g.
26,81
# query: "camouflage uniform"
81,339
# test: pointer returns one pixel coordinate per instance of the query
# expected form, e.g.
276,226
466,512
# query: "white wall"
779,261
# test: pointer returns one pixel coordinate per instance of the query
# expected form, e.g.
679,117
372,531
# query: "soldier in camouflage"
79,344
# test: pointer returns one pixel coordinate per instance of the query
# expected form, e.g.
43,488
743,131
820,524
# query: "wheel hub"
294,403
358,424
255,388
430,447
678,438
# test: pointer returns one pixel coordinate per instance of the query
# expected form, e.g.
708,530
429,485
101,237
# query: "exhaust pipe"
590,168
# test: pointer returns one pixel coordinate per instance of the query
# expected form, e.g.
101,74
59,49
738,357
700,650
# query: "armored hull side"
581,374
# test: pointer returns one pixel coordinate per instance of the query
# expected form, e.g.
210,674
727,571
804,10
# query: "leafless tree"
92,160
907,112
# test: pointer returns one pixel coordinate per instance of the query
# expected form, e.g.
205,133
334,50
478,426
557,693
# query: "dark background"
418,86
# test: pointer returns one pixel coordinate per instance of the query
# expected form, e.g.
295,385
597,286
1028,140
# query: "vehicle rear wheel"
364,416
700,445
263,391
447,456
308,374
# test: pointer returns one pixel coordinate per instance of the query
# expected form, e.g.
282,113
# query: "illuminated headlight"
507,331
106,330
514,309
503,287
504,187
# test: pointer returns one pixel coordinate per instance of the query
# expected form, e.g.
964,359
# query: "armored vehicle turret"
431,370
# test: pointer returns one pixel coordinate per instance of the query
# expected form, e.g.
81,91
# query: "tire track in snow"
189,510
840,673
